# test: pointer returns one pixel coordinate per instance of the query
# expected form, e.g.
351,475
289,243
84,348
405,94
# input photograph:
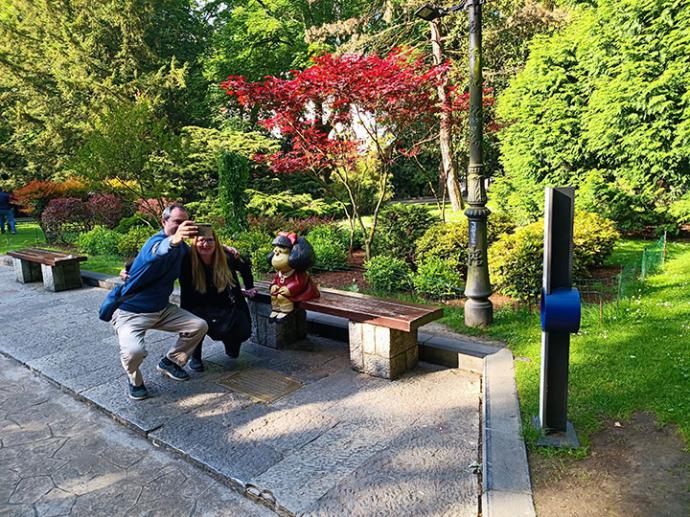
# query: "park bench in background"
59,271
382,333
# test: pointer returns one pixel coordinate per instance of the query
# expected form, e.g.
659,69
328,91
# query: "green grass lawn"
636,359
30,235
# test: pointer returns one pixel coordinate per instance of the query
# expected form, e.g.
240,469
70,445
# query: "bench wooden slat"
368,309
46,257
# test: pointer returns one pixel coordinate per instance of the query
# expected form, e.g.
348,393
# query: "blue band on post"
560,310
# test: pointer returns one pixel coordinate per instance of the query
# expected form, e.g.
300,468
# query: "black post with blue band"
560,317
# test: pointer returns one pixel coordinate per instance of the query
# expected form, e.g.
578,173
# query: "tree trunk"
444,135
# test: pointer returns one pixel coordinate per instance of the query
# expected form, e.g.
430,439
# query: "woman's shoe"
196,364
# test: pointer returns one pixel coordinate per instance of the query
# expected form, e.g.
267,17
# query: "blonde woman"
209,289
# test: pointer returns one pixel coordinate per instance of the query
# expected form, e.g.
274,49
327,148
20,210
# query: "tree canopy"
603,105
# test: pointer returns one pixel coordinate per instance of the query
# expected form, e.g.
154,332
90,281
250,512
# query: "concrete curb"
506,486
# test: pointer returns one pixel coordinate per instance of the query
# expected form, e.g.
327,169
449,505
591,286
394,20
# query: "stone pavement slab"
59,457
342,444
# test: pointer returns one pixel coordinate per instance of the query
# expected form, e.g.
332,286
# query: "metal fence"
625,283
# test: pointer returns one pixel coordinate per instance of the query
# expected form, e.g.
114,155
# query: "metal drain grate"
260,384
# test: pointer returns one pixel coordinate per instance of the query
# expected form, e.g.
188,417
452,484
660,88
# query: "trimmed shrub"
593,239
516,259
438,278
330,245
133,240
500,222
399,228
515,262
446,241
99,241
289,204
388,274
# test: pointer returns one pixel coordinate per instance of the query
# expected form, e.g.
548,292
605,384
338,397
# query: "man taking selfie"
145,303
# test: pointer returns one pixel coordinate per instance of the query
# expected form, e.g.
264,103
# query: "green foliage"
65,63
499,222
256,245
516,260
330,245
133,144
289,204
197,174
388,274
136,220
133,240
438,278
234,172
593,239
100,241
399,228
446,241
680,211
602,104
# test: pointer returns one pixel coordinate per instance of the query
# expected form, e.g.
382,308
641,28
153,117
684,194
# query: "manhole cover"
260,384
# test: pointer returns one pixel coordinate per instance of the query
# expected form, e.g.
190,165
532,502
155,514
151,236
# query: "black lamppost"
478,308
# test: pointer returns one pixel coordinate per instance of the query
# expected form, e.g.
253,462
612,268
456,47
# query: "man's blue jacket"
152,275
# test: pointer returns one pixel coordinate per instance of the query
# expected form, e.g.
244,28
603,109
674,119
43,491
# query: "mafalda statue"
291,258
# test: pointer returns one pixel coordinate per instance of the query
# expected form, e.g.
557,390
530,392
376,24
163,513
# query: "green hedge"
388,274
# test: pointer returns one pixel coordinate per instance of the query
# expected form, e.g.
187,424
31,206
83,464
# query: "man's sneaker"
167,367
196,364
138,392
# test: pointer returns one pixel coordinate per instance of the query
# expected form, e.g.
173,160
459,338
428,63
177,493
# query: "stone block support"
27,271
277,335
382,352
61,277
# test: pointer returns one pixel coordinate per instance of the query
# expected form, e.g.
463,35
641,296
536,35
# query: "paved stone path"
60,457
342,444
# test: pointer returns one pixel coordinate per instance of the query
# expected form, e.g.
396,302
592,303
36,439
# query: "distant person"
146,304
209,288
6,213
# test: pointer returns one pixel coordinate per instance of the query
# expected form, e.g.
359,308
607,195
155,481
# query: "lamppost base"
478,313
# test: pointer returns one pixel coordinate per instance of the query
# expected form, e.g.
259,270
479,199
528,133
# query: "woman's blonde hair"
222,277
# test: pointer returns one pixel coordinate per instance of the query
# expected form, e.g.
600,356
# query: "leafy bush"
100,241
208,211
399,228
256,245
63,216
500,222
438,278
446,241
593,239
330,245
234,171
679,211
288,204
36,195
107,209
388,274
133,240
516,260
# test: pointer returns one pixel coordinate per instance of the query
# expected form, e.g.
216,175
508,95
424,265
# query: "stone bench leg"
292,328
27,271
61,277
382,352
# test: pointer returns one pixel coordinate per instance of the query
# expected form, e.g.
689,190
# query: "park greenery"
323,117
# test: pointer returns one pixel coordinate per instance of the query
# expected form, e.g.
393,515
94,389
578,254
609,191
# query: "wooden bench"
59,271
382,333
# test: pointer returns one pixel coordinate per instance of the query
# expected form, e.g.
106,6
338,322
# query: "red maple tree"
347,116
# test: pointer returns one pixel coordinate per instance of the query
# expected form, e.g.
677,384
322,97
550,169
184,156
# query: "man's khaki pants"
131,327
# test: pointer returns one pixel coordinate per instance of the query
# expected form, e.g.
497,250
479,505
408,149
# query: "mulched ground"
635,468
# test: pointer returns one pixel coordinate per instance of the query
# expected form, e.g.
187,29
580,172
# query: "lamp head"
429,12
